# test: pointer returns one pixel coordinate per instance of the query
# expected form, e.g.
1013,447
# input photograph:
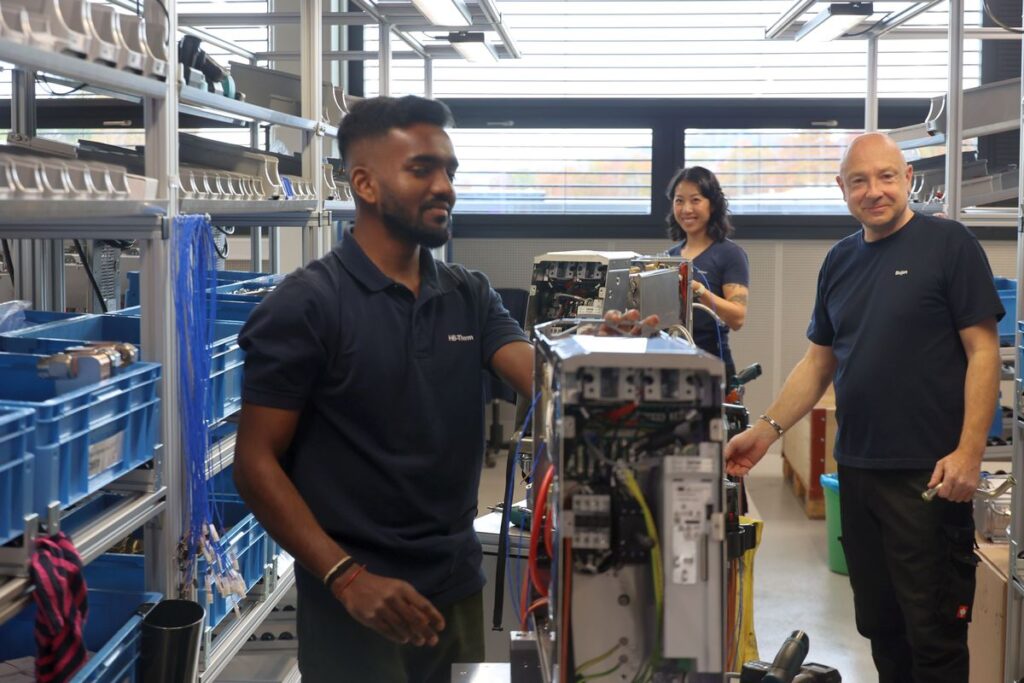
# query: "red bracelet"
352,578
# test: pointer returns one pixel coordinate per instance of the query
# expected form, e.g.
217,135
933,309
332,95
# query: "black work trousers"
912,566
335,648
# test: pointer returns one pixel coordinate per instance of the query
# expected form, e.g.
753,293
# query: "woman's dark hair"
719,226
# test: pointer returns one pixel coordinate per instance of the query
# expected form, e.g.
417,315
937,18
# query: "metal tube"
384,63
788,17
23,106
954,109
275,249
159,322
490,11
56,285
871,98
428,78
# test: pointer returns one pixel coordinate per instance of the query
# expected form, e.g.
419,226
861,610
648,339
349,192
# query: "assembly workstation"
496,341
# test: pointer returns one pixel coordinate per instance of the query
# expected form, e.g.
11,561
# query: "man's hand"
390,607
629,323
747,448
957,476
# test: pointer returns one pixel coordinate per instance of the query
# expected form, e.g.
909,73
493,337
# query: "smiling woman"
699,222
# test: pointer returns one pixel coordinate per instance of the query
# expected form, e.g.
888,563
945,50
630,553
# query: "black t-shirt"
891,311
723,263
388,451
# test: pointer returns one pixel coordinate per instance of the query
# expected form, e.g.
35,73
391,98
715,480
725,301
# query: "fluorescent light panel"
834,21
473,47
444,12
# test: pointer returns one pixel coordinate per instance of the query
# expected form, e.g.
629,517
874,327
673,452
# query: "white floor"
793,586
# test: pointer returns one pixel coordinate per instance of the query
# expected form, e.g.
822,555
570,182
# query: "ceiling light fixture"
472,47
444,12
834,21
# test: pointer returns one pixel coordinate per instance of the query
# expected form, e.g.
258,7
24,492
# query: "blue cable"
513,595
718,328
193,275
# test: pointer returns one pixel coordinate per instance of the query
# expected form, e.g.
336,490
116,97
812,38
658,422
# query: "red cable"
535,530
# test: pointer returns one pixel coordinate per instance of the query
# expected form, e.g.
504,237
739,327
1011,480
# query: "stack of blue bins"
226,358
84,436
241,537
224,277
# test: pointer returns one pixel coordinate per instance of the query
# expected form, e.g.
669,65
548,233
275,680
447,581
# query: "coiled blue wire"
194,282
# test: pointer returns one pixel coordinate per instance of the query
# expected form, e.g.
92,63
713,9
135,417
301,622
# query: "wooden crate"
986,635
807,454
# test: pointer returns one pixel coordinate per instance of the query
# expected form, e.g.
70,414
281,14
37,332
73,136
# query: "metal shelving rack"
157,502
1013,667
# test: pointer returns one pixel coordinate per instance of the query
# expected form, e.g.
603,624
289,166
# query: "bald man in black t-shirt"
904,325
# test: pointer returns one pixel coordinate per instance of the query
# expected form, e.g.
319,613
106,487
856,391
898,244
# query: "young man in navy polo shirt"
361,435
904,325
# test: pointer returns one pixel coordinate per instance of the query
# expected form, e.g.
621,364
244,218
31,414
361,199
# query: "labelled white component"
693,559
155,38
55,24
102,47
108,27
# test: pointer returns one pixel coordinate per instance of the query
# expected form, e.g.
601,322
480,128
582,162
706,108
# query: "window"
780,171
553,171
773,171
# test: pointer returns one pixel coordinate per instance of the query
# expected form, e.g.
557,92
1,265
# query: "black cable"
9,261
1005,27
92,278
46,84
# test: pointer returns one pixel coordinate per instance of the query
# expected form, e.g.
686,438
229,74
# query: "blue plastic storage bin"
227,360
1007,290
224,277
113,630
16,471
229,292
227,308
84,438
243,535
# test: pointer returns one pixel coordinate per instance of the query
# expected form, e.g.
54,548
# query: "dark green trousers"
335,648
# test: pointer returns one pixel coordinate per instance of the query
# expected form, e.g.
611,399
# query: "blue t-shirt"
891,310
389,447
723,263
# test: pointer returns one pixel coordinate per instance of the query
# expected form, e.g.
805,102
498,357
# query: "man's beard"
405,229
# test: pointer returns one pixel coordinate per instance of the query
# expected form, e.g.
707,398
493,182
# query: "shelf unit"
153,499
156,502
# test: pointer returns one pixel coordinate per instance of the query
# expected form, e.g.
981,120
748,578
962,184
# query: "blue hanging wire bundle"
194,279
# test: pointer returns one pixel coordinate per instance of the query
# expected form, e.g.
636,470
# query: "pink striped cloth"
61,608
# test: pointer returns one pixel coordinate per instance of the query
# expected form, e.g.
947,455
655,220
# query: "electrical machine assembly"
627,556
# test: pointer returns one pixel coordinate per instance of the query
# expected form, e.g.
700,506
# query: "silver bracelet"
775,425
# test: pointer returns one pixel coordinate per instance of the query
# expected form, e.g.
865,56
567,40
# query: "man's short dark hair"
376,116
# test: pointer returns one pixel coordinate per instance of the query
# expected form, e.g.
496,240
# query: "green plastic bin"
836,556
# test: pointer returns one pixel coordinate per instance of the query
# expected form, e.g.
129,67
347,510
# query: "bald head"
874,145
875,179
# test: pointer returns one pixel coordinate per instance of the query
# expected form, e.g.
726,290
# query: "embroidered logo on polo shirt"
460,337
902,272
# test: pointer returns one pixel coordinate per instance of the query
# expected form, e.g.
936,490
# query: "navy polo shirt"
722,263
892,310
389,445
